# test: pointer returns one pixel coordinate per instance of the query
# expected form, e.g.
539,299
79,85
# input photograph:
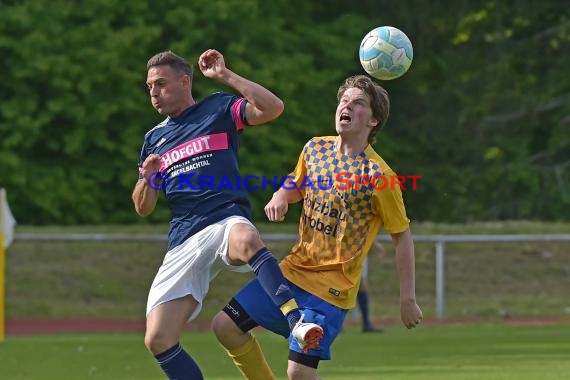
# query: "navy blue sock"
362,298
178,365
272,281
293,317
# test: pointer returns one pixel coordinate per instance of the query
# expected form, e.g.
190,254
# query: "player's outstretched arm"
145,193
263,105
410,312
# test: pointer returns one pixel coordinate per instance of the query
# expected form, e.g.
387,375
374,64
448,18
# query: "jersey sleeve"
389,204
237,110
143,156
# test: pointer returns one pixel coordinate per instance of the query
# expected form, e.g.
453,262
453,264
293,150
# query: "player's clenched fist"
151,165
211,63
276,209
411,314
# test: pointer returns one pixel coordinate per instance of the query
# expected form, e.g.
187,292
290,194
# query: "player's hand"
212,64
276,209
150,166
410,313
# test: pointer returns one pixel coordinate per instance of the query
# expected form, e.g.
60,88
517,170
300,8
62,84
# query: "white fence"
440,242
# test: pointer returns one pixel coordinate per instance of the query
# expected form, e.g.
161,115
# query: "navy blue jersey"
199,155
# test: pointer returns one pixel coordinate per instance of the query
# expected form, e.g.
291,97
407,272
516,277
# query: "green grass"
54,280
455,352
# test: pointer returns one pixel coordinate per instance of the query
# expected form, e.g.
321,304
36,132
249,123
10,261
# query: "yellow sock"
251,362
288,306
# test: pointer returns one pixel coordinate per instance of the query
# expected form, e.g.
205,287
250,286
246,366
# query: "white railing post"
440,278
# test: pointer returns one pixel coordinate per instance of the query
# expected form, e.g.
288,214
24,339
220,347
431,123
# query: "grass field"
492,281
453,352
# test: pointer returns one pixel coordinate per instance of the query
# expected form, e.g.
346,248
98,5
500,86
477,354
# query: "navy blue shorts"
257,304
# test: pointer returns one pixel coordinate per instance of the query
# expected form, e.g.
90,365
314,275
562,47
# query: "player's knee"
245,242
223,326
157,343
228,333
219,325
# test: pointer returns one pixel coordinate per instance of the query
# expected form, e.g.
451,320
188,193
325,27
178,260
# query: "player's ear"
186,80
373,122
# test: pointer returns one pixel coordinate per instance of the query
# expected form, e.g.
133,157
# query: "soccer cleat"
308,335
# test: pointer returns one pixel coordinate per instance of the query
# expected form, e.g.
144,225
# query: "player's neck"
187,104
348,146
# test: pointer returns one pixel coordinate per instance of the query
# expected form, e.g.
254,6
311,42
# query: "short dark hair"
379,100
178,63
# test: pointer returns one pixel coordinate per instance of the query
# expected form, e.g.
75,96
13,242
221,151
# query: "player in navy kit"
210,228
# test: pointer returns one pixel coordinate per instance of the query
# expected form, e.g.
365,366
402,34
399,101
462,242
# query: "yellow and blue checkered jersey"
346,199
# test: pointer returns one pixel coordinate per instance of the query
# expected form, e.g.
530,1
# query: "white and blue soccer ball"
386,53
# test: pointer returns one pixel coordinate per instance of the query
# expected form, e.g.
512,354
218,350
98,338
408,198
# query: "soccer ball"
386,53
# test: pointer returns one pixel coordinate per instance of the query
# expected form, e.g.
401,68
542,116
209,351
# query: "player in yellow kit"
342,183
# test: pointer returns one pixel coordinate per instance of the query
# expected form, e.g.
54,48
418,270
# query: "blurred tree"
482,115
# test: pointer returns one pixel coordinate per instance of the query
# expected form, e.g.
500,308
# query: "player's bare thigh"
243,243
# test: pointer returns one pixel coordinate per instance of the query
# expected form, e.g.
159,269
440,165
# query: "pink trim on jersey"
236,115
208,143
